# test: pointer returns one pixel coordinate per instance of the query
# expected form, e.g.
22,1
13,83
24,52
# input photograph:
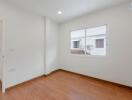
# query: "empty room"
65,50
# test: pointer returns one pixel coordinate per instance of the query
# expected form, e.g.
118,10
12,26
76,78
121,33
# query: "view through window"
78,42
90,41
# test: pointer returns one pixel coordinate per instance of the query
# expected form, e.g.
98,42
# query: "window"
89,41
99,43
78,42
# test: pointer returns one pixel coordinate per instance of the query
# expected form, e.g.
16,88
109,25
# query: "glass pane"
78,42
96,41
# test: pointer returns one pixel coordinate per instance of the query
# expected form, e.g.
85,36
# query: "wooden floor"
66,86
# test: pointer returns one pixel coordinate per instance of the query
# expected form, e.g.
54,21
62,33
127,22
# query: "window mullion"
85,40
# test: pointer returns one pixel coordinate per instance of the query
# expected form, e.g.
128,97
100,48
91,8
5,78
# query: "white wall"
51,50
24,45
1,24
117,65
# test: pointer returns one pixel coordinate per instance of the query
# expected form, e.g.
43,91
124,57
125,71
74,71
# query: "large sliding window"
78,42
89,41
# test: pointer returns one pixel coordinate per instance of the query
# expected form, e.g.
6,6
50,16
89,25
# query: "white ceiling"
70,8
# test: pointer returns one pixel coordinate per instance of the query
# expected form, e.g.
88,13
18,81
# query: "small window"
99,43
90,41
78,42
